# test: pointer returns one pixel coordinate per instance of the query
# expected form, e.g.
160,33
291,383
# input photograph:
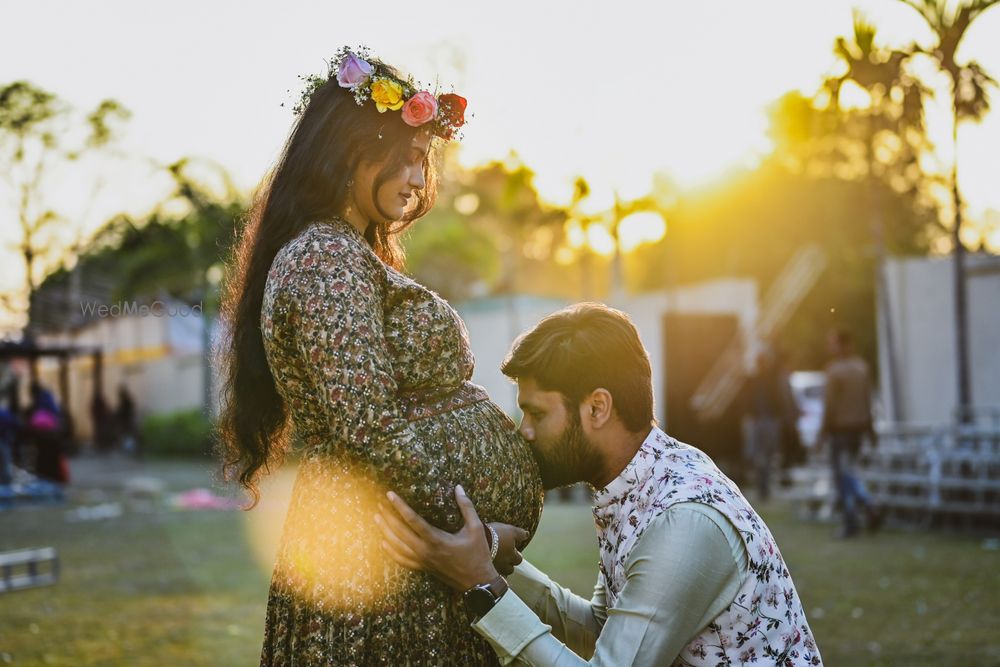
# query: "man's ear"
599,407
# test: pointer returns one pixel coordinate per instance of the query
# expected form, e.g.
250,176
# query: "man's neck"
616,454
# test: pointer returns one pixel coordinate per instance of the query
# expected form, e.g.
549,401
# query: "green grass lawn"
189,588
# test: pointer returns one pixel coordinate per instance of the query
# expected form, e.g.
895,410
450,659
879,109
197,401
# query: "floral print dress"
374,370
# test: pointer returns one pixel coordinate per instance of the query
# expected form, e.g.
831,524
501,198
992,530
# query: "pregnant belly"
491,461
330,552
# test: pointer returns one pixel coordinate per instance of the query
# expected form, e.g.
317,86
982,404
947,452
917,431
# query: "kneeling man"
689,573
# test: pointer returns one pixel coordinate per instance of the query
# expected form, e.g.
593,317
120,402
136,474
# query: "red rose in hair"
451,114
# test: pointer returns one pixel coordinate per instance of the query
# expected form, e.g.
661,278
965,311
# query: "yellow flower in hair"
387,94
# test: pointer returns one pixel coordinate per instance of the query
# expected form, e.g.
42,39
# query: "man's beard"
569,460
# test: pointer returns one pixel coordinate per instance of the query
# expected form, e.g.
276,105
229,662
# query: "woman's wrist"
492,540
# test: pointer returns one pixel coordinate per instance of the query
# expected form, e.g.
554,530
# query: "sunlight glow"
600,240
853,96
331,553
641,227
971,237
467,203
992,241
691,104
575,236
565,256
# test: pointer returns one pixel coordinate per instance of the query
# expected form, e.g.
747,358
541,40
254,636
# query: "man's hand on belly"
461,560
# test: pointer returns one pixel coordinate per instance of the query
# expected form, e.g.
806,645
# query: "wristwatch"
481,598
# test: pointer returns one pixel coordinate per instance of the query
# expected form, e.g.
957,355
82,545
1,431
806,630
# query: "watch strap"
481,598
498,586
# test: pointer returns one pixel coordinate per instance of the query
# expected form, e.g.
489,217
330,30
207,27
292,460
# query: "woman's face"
393,196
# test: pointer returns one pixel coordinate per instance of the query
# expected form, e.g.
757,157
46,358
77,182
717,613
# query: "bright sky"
612,91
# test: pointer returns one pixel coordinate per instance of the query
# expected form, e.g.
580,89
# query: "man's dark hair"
585,347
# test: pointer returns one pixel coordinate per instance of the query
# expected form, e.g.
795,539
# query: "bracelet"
494,542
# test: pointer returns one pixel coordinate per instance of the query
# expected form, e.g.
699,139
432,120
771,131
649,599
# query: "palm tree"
897,97
969,101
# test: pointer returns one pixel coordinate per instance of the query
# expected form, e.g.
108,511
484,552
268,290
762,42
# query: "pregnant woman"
368,372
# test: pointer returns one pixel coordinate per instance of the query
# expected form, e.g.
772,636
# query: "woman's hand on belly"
512,540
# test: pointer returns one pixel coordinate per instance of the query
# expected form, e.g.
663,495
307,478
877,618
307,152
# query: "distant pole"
960,292
617,267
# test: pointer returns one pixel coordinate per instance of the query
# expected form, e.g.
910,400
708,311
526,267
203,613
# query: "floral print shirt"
765,624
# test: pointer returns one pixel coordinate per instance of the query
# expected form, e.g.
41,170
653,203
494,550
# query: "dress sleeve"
335,323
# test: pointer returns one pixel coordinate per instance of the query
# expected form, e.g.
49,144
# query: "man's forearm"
516,633
575,620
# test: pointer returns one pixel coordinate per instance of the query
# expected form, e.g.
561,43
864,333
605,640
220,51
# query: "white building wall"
493,324
984,323
921,304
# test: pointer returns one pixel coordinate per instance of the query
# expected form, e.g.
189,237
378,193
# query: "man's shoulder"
696,457
667,442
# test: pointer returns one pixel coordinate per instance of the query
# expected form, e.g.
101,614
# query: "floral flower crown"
369,79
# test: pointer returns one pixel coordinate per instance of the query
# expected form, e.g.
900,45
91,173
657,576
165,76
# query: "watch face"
479,601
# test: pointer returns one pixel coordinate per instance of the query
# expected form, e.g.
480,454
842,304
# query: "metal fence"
935,474
920,475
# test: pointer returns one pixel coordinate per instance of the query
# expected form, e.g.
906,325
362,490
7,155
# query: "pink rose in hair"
419,109
353,71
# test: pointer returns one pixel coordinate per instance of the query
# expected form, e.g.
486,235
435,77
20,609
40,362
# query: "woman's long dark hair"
309,183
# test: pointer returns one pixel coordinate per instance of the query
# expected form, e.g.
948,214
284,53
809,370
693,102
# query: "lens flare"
329,552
